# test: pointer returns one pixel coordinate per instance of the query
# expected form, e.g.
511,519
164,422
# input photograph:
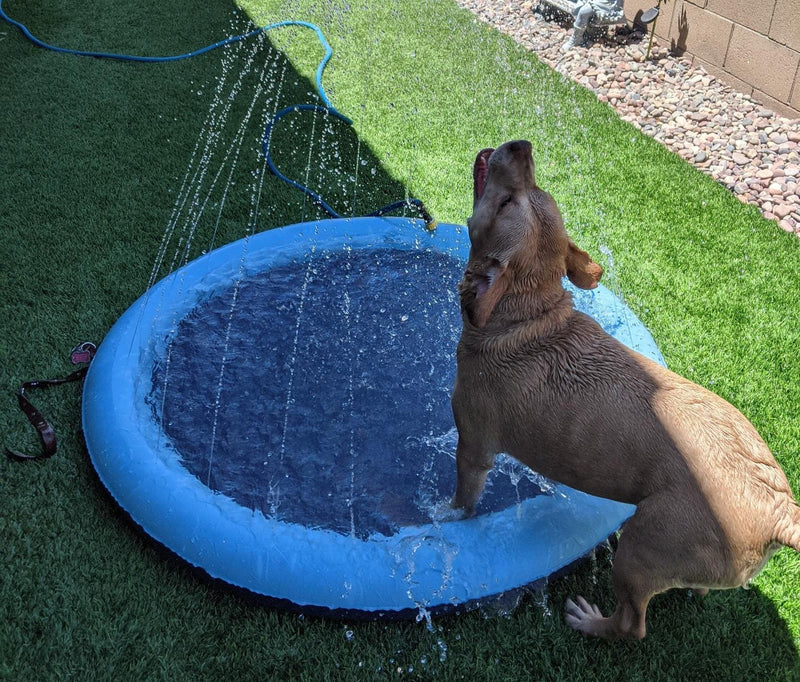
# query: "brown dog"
544,383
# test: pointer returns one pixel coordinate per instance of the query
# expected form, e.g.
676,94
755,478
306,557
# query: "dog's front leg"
473,464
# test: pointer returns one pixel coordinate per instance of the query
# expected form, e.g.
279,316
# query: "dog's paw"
583,616
444,511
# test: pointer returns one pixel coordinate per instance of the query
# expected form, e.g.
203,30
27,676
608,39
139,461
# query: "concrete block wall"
753,45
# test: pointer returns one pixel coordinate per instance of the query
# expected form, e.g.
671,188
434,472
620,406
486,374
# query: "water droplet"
442,650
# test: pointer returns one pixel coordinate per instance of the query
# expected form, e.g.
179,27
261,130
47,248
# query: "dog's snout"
520,148
515,161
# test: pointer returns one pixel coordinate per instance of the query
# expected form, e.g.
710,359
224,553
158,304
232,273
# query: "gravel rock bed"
740,143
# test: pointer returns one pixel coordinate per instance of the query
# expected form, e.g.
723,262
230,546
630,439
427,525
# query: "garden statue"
586,12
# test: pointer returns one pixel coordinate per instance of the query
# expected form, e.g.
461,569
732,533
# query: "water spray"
409,203
328,108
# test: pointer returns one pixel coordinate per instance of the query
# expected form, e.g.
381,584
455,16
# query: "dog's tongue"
479,171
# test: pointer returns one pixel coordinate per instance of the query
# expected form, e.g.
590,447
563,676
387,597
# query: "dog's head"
517,235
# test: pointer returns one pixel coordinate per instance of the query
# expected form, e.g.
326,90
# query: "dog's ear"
481,292
582,271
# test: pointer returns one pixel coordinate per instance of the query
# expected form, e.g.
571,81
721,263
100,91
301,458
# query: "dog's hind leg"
633,591
641,570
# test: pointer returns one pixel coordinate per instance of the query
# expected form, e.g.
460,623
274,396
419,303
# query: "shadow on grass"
728,635
96,152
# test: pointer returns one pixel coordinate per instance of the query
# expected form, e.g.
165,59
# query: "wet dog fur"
546,384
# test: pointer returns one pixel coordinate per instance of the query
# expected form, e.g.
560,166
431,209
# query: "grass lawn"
94,155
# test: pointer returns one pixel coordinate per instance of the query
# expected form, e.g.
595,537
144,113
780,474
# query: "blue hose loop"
266,142
430,223
409,203
174,58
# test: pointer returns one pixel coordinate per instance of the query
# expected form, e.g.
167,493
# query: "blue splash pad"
277,413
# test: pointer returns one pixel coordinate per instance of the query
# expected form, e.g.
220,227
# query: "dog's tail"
789,531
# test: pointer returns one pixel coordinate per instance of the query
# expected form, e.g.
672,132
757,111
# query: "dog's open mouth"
479,172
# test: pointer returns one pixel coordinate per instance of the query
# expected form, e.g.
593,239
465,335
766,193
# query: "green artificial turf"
93,156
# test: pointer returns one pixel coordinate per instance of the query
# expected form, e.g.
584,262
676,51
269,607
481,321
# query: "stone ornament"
589,13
